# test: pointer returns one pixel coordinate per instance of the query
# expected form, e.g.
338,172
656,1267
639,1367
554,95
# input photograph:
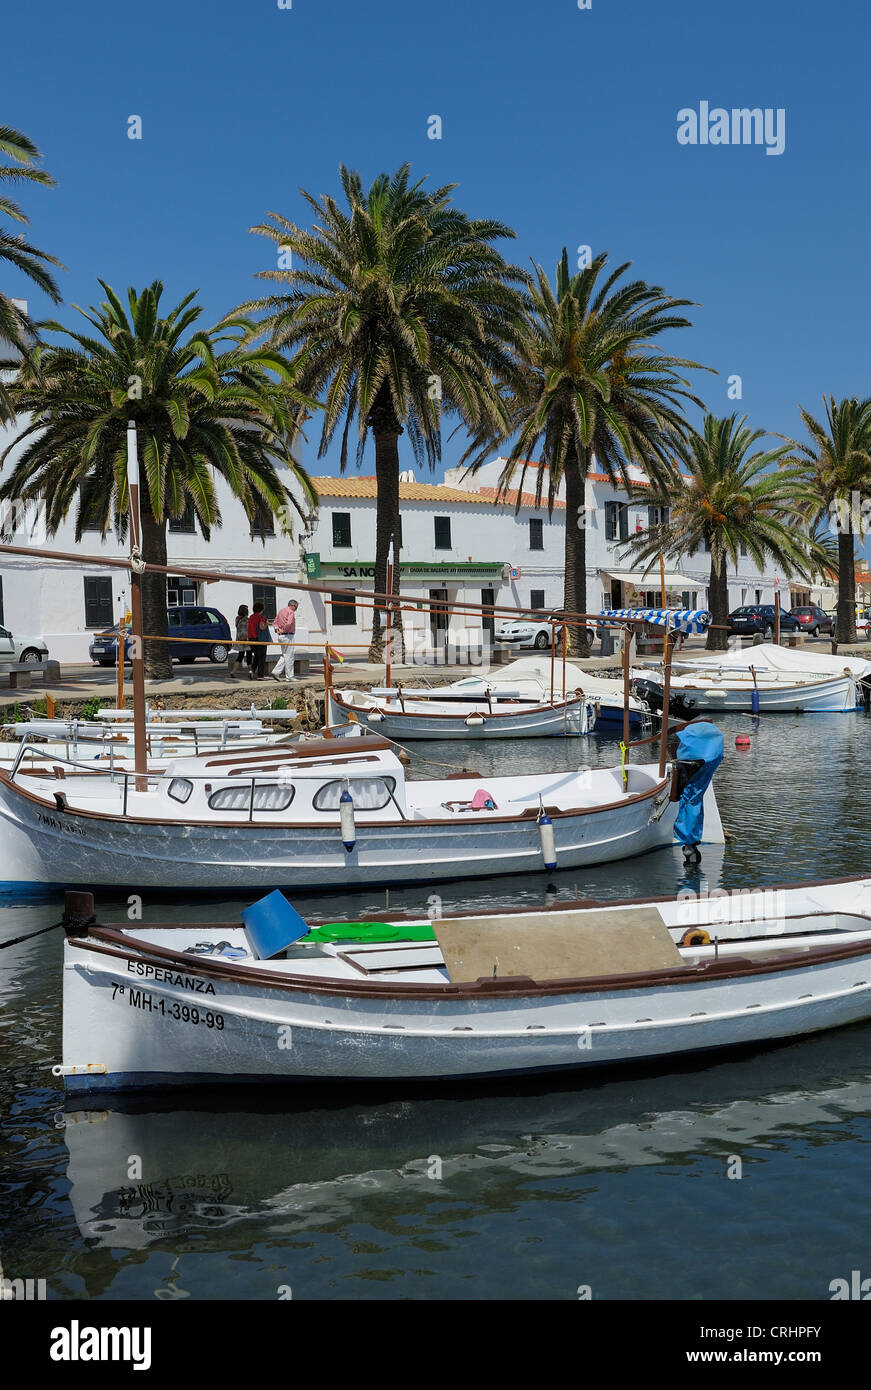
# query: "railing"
121,776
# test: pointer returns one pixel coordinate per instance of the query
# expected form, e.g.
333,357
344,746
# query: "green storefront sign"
439,569
313,566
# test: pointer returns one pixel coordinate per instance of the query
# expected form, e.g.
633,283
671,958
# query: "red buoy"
742,741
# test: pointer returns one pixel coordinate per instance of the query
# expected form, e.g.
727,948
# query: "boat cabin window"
180,788
270,796
368,794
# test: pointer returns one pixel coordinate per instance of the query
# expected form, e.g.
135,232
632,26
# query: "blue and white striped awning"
688,620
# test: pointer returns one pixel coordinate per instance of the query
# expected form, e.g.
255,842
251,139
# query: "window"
442,532
344,609
616,521
367,794
342,530
536,598
744,548
263,520
98,602
1,598
180,591
657,516
180,789
536,533
184,524
201,617
706,547
265,594
269,796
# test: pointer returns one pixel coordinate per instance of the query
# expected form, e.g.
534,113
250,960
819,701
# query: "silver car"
532,632
21,648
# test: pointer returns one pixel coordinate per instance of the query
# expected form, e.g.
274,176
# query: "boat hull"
562,721
43,845
824,697
135,1023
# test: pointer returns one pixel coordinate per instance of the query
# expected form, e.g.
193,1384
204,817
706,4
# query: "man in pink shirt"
284,628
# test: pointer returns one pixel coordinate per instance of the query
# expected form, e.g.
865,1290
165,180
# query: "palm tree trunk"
386,430
575,591
846,630
718,636
158,665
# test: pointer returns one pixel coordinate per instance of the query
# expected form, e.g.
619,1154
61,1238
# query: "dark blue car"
190,621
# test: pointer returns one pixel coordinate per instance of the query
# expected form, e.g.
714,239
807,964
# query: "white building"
458,546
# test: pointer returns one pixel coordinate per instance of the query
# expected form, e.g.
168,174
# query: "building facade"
459,546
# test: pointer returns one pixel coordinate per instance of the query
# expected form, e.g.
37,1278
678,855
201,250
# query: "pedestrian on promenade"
242,650
285,629
258,633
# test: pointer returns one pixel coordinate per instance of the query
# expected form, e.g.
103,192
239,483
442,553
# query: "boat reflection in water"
228,1172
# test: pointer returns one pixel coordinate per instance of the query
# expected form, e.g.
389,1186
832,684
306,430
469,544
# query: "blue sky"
559,121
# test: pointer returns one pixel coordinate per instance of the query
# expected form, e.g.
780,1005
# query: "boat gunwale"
107,940
559,707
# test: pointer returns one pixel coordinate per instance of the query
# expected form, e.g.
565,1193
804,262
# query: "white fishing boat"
766,677
528,682
112,741
488,996
331,811
706,690
402,717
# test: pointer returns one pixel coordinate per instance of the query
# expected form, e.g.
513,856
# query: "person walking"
285,628
258,633
238,655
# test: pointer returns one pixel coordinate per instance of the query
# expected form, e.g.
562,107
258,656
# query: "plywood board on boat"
581,945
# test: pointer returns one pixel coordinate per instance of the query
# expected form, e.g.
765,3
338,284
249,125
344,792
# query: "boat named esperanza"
472,997
324,813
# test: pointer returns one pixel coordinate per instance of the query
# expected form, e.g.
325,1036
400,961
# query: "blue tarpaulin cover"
699,740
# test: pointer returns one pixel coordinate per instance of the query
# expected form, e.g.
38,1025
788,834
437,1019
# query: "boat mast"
137,567
387,616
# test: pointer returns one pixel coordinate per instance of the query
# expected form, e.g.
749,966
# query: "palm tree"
724,500
837,465
591,385
396,307
16,327
204,404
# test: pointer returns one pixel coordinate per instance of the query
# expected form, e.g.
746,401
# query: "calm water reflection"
521,1192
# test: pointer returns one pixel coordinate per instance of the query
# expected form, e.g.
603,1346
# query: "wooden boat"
489,996
528,681
723,688
324,812
767,676
404,717
112,740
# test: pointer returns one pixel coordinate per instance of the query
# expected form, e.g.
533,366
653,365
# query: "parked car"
104,646
21,648
186,621
191,621
759,618
534,631
863,622
813,619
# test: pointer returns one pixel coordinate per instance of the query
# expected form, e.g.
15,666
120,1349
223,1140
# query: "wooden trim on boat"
663,784
112,942
557,707
316,748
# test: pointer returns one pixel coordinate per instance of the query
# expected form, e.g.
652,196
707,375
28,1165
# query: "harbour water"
744,1176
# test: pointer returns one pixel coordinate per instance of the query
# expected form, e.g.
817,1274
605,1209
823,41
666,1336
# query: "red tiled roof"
366,487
